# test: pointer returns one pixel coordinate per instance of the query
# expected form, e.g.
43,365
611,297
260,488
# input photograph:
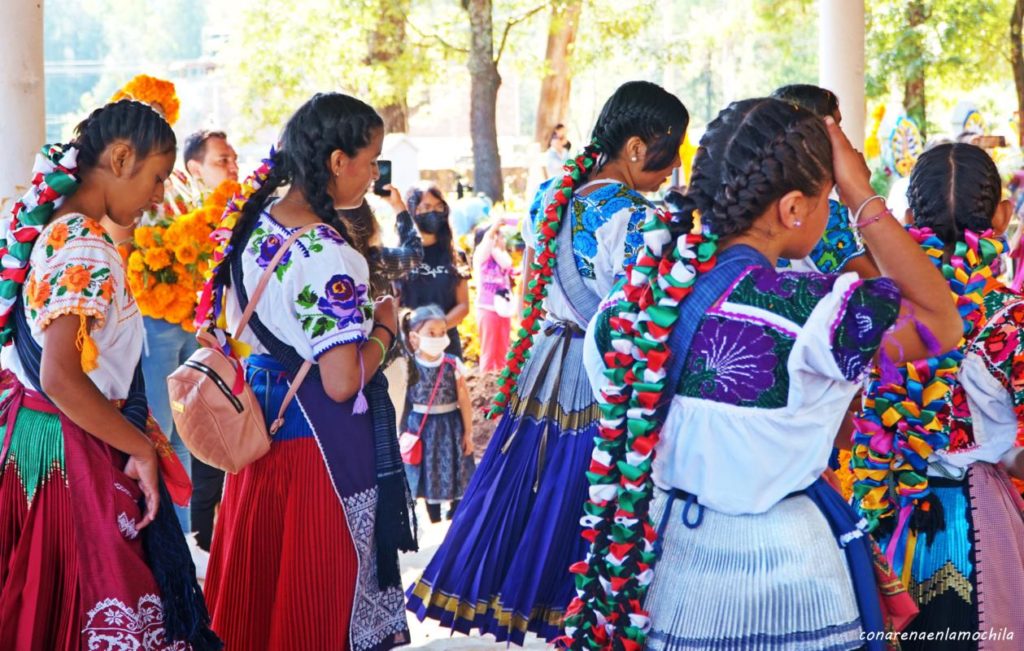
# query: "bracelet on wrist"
383,348
864,204
388,330
874,219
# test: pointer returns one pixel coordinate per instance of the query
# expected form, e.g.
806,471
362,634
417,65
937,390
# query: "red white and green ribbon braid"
611,582
906,411
54,177
209,305
543,268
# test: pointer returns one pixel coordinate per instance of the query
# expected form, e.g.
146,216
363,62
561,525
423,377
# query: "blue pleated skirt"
503,567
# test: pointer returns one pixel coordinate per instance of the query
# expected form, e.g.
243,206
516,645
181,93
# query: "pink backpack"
215,410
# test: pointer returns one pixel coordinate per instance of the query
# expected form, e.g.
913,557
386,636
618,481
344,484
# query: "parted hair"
754,152
146,130
954,187
647,111
325,123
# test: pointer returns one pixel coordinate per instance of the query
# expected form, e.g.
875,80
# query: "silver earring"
798,223
633,159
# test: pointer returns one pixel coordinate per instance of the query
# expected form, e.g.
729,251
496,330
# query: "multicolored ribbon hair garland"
575,171
54,177
906,411
210,305
612,581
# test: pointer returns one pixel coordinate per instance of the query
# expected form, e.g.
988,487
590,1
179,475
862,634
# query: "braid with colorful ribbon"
612,582
54,177
906,411
576,170
210,300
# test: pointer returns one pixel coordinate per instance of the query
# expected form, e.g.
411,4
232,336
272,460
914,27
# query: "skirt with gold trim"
503,567
967,577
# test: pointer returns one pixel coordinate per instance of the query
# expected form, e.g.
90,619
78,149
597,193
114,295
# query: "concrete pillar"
22,92
841,61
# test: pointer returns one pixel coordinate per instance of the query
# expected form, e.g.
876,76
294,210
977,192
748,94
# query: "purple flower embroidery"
268,249
328,233
342,300
734,361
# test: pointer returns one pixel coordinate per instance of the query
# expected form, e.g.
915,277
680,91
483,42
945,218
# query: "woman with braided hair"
91,554
945,511
503,567
305,550
722,384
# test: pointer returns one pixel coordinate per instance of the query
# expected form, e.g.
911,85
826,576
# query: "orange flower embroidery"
38,293
107,289
76,278
58,236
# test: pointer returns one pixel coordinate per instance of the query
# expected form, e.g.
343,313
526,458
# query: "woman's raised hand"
385,312
395,199
851,172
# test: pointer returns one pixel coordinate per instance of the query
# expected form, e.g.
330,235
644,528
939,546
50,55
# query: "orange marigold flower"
144,237
186,254
163,296
37,292
158,93
76,278
58,236
157,258
136,262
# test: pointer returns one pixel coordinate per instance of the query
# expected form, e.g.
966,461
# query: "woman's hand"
851,172
467,444
385,312
145,469
395,199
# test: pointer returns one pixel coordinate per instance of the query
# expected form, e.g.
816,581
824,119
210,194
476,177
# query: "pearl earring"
798,223
633,159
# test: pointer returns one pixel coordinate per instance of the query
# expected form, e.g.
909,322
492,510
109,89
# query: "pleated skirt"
968,577
73,574
771,581
503,567
283,567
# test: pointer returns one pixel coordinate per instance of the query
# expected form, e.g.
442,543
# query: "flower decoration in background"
171,257
158,93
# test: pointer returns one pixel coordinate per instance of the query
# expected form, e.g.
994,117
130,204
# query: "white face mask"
434,346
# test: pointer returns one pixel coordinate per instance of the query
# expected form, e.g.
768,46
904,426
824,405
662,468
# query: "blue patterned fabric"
838,245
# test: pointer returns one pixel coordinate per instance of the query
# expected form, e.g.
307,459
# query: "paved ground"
428,635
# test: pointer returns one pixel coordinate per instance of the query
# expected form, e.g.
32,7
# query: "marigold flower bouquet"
167,266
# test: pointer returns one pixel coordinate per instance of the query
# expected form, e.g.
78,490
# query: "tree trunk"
1017,61
483,101
554,89
386,47
914,85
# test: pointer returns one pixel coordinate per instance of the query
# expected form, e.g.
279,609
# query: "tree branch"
512,22
437,37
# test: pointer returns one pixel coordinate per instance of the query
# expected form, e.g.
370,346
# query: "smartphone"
385,178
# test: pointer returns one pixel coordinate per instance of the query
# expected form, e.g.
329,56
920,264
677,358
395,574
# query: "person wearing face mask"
442,277
440,415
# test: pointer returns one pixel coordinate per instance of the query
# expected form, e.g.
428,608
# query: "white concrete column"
22,92
841,61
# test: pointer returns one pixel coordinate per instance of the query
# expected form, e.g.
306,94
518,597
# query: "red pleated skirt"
283,566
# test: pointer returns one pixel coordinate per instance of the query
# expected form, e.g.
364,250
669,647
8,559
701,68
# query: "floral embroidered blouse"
987,407
606,236
76,269
772,367
318,296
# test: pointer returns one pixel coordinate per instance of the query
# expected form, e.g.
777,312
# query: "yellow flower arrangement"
166,269
158,93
